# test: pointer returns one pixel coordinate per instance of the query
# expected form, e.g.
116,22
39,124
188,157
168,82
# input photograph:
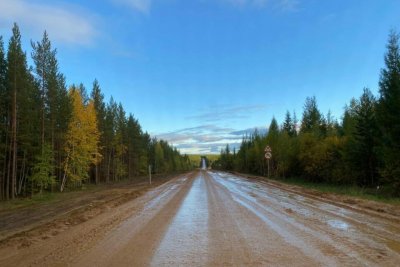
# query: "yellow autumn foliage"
82,145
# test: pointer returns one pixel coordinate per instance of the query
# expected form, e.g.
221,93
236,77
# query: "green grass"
44,197
348,190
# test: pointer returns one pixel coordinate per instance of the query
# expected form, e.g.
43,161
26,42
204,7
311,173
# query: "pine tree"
363,145
348,122
388,112
312,118
158,157
55,105
99,106
135,146
109,135
120,143
273,131
287,124
41,56
17,81
3,118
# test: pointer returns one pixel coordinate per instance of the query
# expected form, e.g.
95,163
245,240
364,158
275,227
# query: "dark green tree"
42,176
4,95
363,144
289,125
55,104
100,108
22,105
312,117
388,113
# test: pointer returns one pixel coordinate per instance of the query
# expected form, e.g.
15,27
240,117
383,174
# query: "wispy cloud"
257,3
142,6
227,113
206,139
261,130
63,23
289,5
200,148
285,5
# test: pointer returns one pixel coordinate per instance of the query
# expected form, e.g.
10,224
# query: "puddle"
341,225
187,237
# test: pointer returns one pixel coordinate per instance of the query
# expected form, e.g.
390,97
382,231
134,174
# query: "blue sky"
200,72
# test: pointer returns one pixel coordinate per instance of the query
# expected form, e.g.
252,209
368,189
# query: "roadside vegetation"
361,151
55,137
196,159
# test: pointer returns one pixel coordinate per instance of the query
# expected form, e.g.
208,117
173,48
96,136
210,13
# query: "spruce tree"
99,106
17,81
287,124
388,113
363,145
3,118
312,117
55,104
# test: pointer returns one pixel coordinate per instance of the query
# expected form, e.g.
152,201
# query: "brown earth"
204,219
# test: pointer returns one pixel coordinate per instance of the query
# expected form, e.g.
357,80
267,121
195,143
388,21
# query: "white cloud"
224,113
63,23
208,139
138,5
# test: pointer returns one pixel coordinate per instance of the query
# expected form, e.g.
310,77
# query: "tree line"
53,137
363,148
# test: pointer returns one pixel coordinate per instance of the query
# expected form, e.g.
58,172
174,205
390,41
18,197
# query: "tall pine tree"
3,118
388,114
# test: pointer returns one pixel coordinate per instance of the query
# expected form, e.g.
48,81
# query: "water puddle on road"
337,224
185,242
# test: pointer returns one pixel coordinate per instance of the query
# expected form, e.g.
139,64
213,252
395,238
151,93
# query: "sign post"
150,174
268,156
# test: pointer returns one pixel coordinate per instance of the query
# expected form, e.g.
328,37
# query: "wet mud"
208,218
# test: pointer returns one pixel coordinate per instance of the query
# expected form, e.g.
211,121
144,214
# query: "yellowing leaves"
82,144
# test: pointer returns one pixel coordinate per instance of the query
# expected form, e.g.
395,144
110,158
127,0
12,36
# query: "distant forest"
53,137
363,148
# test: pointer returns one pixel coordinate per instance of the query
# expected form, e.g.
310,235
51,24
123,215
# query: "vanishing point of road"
208,218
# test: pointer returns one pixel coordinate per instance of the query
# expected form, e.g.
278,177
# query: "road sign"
268,155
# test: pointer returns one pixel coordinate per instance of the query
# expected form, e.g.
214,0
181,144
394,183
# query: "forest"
56,137
362,148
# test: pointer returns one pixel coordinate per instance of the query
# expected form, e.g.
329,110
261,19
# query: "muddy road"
215,219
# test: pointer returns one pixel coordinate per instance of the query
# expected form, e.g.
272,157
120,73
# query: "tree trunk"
14,139
108,167
129,165
8,180
22,174
96,172
43,108
65,174
3,181
64,178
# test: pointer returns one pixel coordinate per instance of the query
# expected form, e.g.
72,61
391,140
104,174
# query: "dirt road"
216,219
